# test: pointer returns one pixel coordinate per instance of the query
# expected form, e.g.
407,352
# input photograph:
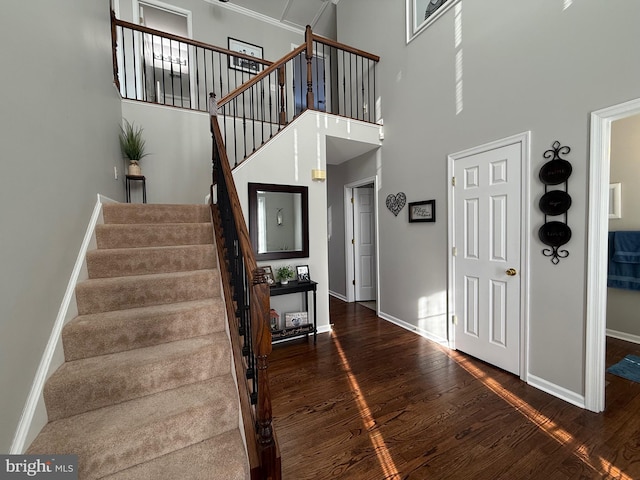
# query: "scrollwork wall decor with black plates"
555,202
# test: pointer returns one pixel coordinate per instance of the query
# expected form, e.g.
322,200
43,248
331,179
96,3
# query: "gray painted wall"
525,66
623,305
338,176
59,136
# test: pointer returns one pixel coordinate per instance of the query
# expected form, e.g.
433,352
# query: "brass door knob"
512,272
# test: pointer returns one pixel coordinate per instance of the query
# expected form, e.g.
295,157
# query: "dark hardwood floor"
374,401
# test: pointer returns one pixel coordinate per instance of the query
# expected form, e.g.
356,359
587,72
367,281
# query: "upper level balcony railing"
256,98
319,75
158,67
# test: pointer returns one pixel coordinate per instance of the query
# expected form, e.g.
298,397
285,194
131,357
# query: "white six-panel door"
487,255
364,243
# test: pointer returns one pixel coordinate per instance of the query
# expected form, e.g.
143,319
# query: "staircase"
146,391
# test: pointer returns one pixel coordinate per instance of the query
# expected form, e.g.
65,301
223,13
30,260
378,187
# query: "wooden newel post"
308,36
261,333
281,82
114,49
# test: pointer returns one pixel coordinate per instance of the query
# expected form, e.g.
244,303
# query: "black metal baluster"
262,82
271,119
324,80
253,117
220,70
375,101
344,86
153,56
235,133
180,67
144,68
228,75
244,122
362,81
135,77
124,63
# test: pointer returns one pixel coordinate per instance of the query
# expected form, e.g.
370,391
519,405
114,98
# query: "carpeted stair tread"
120,436
96,382
153,235
108,294
121,330
219,458
155,213
121,262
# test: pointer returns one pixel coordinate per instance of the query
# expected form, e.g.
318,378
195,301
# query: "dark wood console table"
303,330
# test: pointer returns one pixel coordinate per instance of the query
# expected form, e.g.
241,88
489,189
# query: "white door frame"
177,11
597,246
524,139
348,235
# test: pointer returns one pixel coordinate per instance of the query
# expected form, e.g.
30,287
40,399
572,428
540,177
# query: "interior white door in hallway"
364,243
486,254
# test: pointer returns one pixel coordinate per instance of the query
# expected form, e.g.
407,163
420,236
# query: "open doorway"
165,62
361,242
597,249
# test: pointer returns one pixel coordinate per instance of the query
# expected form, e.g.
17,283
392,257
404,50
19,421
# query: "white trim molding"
337,295
414,329
628,337
597,246
256,15
66,312
556,390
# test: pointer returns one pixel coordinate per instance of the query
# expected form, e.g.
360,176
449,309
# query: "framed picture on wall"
424,211
242,63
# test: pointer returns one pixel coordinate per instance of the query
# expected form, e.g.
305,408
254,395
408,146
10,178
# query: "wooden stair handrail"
309,36
260,322
189,41
346,48
265,73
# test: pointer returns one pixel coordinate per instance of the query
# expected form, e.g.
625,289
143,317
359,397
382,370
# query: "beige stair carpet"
146,390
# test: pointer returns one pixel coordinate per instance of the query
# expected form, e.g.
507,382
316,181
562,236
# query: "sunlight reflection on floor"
544,423
380,447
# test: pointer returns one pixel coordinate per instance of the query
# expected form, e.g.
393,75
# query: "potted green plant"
132,145
284,273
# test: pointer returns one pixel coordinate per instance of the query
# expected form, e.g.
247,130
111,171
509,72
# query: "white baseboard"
337,295
324,328
629,337
556,390
66,310
414,329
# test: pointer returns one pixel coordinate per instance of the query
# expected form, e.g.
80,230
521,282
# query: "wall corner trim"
24,425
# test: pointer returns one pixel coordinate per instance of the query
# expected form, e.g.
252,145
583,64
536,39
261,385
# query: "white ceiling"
320,14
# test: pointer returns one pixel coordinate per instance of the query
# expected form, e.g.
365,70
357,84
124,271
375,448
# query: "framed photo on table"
268,273
302,273
245,64
424,211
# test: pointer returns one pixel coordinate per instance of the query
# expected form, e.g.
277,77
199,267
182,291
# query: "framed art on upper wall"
421,13
241,63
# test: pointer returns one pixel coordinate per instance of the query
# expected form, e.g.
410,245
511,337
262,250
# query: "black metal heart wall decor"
396,202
